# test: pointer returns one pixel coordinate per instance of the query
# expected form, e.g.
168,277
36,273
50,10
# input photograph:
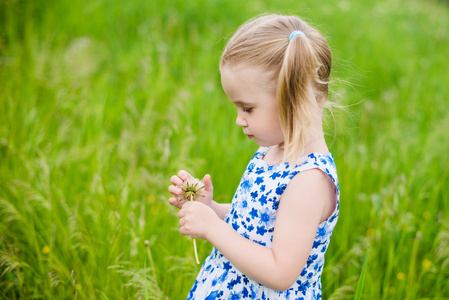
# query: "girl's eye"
247,109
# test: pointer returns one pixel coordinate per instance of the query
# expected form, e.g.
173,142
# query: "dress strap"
323,162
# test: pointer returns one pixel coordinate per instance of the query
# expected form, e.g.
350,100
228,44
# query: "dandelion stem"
191,188
196,252
194,241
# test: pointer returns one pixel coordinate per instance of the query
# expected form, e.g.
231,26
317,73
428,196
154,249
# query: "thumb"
207,183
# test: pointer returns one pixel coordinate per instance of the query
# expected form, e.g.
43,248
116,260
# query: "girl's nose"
241,122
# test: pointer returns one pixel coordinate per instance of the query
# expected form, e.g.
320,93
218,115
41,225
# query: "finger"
207,183
174,190
183,231
176,202
173,201
187,204
184,175
176,180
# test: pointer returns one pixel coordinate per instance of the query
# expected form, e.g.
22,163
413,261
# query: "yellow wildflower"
46,250
370,232
111,198
151,199
426,264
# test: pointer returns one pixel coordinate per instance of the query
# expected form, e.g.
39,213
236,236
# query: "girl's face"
254,94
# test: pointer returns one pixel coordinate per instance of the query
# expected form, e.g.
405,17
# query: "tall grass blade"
361,282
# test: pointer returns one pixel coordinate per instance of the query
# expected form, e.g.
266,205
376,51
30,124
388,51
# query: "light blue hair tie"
295,33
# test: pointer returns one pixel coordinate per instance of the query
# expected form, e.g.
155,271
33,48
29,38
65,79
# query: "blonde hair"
301,68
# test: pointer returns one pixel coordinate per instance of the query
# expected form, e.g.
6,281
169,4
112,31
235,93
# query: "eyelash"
247,109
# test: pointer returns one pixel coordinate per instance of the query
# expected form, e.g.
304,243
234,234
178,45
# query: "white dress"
253,215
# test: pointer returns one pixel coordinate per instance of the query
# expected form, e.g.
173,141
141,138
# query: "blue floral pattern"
253,215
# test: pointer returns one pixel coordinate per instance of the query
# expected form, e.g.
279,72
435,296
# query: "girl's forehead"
255,76
247,86
245,70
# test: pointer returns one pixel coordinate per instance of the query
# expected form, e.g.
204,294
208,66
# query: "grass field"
102,101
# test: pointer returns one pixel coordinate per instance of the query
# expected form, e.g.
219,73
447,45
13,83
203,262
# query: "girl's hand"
176,191
196,219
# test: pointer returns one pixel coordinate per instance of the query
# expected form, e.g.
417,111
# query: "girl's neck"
316,144
274,155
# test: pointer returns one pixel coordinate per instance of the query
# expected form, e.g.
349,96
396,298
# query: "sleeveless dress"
252,214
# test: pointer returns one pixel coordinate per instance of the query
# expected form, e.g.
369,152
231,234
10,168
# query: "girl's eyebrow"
242,103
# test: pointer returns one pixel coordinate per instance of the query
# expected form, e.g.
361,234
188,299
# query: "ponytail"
296,95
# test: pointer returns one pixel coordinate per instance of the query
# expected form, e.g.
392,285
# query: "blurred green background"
102,101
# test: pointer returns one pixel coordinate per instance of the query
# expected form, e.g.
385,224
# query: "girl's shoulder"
322,161
317,160
312,160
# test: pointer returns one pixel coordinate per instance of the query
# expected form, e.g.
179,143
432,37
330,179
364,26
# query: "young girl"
269,243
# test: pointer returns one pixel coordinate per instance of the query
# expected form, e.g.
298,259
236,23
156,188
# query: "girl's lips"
250,136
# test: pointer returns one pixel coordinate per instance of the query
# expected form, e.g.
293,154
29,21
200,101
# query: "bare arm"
308,200
220,208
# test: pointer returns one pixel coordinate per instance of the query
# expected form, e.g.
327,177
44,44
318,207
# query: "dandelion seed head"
191,188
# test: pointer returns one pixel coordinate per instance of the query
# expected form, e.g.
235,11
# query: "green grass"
102,101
